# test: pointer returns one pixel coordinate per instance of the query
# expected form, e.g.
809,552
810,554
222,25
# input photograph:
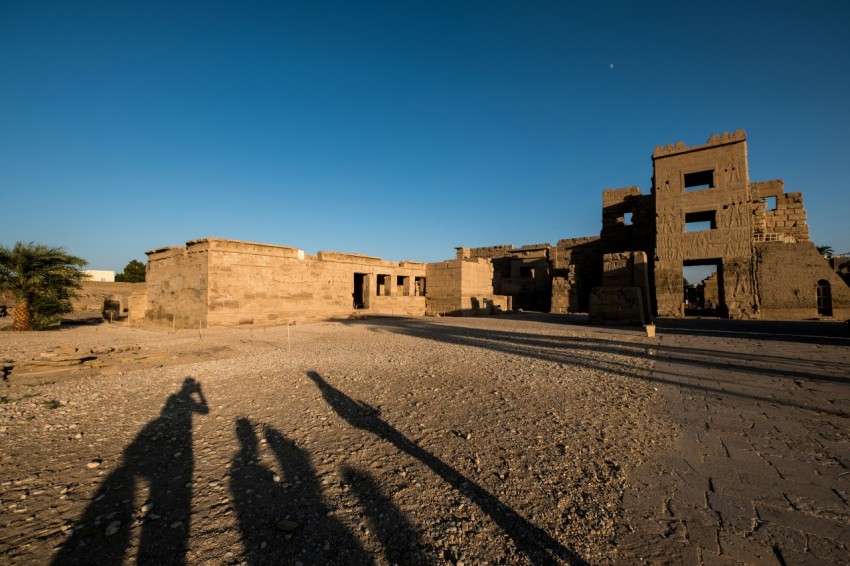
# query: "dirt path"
375,441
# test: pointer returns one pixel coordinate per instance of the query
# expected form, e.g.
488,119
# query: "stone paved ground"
760,473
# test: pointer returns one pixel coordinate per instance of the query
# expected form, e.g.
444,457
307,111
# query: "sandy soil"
410,441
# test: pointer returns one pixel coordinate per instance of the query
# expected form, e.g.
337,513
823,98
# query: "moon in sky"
611,65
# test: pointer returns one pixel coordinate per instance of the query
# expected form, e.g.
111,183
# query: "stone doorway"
824,298
359,295
703,292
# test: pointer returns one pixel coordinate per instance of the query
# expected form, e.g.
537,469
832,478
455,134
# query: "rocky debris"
415,441
61,356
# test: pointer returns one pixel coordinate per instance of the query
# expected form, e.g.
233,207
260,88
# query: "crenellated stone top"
714,140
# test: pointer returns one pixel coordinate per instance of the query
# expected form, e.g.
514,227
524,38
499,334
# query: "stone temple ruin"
702,210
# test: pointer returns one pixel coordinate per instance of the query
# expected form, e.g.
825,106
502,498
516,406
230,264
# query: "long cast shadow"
287,520
400,541
579,351
161,454
529,539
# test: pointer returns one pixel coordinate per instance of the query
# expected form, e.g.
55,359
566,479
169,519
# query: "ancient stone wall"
704,214
710,290
628,269
525,277
628,221
463,287
93,293
576,269
176,284
841,266
488,252
616,305
523,273
787,276
265,284
788,218
243,283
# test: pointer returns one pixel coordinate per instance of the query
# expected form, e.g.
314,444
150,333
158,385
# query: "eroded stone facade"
216,282
463,286
702,210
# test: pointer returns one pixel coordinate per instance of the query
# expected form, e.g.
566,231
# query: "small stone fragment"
286,525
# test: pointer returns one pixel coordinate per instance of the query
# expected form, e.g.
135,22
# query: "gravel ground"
506,440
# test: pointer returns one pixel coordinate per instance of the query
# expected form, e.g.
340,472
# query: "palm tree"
42,278
825,250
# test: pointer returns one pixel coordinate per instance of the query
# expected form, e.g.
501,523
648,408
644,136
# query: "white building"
101,275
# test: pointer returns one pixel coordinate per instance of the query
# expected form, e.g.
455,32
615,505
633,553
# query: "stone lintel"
240,246
351,258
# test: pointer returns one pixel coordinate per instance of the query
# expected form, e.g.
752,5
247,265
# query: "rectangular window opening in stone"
526,272
627,219
699,180
402,284
699,221
704,294
502,268
770,203
383,287
358,294
419,286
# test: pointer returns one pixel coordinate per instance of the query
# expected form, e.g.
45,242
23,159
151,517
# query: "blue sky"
397,129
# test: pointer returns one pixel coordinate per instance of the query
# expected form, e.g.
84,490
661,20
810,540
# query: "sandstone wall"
623,272
576,269
264,284
841,266
218,282
617,305
93,293
177,285
487,252
137,303
462,287
725,202
628,221
787,277
523,273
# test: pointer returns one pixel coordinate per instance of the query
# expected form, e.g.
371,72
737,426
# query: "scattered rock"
286,525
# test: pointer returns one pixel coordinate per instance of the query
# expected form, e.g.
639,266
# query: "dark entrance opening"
704,294
824,298
359,285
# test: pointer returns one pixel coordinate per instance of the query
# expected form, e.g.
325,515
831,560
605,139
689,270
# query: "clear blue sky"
397,129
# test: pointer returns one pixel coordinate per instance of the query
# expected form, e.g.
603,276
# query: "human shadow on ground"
161,455
529,539
287,520
401,543
583,351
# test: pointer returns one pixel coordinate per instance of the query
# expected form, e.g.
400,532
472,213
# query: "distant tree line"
134,272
